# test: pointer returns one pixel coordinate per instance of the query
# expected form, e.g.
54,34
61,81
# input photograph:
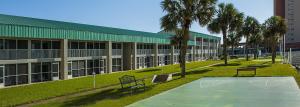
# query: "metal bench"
129,82
246,69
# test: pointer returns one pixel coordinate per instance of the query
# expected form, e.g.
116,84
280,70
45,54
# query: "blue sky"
142,15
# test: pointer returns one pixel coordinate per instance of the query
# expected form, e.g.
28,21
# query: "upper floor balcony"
13,54
85,52
144,51
164,51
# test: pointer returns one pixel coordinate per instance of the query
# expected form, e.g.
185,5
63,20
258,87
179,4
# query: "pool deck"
229,92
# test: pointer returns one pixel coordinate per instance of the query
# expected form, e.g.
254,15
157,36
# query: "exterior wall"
51,50
289,10
74,58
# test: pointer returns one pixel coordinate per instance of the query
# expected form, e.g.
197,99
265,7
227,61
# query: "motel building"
37,50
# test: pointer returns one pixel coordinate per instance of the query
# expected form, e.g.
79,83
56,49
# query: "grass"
30,93
114,98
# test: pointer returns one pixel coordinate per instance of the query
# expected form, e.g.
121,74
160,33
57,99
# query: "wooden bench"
129,82
246,69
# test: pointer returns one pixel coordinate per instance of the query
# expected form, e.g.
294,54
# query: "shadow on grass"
245,75
198,71
103,95
230,64
149,70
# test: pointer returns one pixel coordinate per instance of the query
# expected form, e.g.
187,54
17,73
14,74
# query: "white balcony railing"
85,52
12,54
116,51
45,53
144,51
163,51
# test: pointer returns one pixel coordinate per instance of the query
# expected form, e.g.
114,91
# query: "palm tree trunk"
247,57
232,49
224,31
256,52
182,58
273,54
183,47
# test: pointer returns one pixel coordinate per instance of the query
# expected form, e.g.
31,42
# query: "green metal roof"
17,26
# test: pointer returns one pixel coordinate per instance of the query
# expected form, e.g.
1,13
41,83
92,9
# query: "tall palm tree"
275,27
233,40
255,41
180,16
250,28
228,19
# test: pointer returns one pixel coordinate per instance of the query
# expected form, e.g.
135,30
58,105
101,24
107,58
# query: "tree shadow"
231,64
149,70
198,71
103,95
259,65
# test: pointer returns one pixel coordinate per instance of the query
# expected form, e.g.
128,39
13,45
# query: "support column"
202,51
209,49
64,59
108,52
194,53
215,47
134,53
29,63
155,64
172,54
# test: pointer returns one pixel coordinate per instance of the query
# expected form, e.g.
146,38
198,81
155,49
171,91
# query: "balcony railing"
45,53
12,54
116,51
85,52
163,51
144,51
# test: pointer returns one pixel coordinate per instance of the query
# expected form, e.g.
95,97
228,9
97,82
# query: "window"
46,44
2,44
36,72
74,45
55,45
81,45
102,45
22,44
10,44
116,46
78,68
10,75
22,73
96,45
36,44
116,64
90,45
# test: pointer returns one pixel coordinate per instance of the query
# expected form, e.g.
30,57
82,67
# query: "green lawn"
26,94
115,98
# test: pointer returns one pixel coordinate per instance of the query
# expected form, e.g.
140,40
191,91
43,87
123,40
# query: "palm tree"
255,41
180,16
233,40
274,28
228,19
250,28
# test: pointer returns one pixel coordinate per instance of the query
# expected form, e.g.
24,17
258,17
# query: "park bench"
246,69
129,82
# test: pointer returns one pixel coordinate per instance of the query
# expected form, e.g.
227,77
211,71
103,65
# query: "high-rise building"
289,9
